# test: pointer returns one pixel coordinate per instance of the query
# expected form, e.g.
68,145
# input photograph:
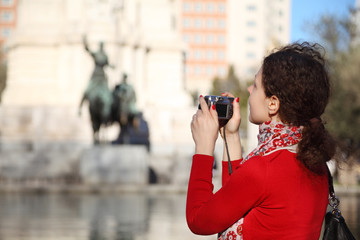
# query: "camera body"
223,107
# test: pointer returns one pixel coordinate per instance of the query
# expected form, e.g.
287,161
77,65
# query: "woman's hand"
232,132
204,128
233,125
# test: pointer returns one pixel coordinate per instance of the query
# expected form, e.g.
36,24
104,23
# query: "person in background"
280,189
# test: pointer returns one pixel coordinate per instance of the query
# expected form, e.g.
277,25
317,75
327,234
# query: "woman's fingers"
204,128
227,94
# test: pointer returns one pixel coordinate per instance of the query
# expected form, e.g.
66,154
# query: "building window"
250,55
198,23
250,39
197,70
198,38
7,3
210,23
198,7
5,32
186,38
221,39
210,39
7,16
221,23
251,8
209,70
221,55
210,7
221,8
186,7
198,54
210,55
186,23
251,23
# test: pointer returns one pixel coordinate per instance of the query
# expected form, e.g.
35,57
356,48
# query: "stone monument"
48,71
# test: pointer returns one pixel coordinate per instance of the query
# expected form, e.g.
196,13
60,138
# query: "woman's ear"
274,105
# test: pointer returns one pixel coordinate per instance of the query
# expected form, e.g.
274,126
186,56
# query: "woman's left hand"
204,129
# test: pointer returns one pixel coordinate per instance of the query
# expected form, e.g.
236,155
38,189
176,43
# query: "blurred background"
73,165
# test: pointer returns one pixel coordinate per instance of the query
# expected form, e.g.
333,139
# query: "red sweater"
276,195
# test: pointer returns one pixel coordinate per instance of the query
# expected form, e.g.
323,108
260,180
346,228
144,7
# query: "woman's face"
258,102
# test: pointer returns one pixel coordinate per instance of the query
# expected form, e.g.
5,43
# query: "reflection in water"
350,209
110,216
93,216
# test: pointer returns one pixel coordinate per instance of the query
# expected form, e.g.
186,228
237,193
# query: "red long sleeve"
225,169
209,213
266,191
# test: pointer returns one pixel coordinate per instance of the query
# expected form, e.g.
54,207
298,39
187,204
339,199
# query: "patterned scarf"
273,136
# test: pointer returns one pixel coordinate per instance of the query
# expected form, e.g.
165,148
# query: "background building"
167,48
203,28
8,19
220,33
255,28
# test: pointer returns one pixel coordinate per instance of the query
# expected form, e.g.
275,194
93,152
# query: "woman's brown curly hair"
297,75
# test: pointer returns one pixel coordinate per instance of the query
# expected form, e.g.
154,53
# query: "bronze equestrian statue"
118,106
97,92
133,127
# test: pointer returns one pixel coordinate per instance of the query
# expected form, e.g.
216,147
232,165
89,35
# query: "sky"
308,11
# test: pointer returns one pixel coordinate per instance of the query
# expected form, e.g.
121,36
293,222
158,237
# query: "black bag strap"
333,200
331,184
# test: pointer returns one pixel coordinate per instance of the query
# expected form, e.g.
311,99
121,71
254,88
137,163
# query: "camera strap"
227,152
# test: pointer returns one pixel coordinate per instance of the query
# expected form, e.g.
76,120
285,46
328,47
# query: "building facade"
203,28
221,33
8,19
256,27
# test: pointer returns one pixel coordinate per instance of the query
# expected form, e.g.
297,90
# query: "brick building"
8,18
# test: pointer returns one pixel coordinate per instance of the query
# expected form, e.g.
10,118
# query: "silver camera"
223,107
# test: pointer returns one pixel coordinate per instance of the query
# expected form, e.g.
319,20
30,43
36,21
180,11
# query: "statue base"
109,164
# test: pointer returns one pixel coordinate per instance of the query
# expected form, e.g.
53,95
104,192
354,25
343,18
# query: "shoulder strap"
331,184
333,200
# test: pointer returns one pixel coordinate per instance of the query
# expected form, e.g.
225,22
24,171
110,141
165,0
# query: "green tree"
338,36
231,83
343,111
3,70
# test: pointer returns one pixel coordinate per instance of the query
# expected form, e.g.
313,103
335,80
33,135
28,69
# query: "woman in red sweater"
280,190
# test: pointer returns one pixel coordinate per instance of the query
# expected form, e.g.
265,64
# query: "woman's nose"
250,88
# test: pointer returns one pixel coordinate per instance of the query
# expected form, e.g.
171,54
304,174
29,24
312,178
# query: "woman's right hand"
233,125
204,128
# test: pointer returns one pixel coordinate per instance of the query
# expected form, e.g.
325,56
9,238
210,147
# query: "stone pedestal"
47,162
109,164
